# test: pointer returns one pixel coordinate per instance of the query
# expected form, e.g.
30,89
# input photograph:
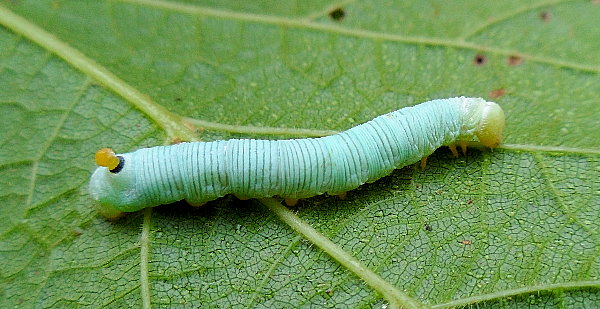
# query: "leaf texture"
517,226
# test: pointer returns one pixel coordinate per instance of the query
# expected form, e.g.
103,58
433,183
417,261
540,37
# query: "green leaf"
517,226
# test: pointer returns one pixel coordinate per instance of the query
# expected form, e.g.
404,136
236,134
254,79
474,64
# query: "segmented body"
296,168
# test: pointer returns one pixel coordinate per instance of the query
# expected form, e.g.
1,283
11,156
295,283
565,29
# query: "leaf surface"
515,227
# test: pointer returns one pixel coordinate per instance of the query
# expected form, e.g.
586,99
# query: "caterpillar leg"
453,150
291,201
175,141
423,162
195,204
463,147
111,214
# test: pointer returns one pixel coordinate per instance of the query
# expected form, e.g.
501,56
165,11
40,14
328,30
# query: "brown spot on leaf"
545,16
479,60
77,231
465,242
496,93
337,14
514,60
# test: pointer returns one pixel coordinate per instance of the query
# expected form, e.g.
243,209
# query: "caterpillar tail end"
491,127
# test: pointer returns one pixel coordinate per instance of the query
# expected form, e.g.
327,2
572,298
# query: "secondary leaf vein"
332,28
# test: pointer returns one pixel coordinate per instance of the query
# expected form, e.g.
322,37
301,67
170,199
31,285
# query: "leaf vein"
518,291
511,14
332,28
169,121
144,256
560,200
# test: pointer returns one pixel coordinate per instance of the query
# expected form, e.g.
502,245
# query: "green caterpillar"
297,168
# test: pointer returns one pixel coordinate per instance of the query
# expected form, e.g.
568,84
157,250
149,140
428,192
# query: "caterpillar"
296,168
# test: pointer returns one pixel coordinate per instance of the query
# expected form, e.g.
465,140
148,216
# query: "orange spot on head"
106,157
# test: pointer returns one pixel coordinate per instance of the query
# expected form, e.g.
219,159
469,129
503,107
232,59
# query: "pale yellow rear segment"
491,127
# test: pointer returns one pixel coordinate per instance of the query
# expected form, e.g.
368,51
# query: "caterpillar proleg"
296,168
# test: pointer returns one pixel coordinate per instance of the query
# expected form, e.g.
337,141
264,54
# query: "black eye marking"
119,167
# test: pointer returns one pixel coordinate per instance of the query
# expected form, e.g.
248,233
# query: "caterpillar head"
490,127
113,184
